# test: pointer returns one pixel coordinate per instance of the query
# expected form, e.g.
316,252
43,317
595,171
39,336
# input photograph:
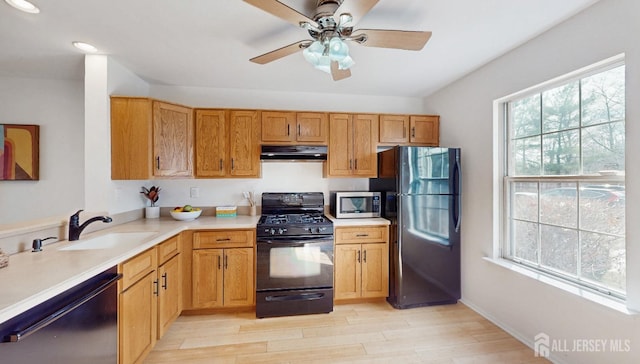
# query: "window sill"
585,293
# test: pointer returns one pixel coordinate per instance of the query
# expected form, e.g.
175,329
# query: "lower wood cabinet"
361,262
150,299
223,269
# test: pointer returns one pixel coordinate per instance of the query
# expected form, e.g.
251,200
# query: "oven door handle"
296,297
295,242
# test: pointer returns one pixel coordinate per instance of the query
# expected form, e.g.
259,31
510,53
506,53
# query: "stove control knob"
272,231
281,231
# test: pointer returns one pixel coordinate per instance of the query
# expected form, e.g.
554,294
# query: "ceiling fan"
331,26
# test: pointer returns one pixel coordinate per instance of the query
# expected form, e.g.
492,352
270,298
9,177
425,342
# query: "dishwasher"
77,326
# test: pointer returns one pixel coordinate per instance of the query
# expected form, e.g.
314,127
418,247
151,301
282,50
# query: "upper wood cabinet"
150,138
285,127
352,145
410,129
227,143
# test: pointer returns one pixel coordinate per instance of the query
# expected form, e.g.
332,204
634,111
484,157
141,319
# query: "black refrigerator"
421,188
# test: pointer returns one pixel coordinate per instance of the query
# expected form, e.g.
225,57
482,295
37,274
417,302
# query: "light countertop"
33,278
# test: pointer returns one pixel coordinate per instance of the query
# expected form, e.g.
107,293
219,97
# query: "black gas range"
294,273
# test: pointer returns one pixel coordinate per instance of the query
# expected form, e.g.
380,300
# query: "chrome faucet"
74,224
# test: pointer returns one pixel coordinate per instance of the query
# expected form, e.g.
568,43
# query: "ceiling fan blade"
282,11
357,9
337,73
399,39
280,52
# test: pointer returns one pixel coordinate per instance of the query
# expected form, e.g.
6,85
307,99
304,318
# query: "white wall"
523,305
57,106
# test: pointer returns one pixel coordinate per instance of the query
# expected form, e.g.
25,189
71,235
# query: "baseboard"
525,340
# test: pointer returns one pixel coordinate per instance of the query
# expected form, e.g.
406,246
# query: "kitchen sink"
111,240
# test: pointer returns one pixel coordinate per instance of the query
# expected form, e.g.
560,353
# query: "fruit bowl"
185,216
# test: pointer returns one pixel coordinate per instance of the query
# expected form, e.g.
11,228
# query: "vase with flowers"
152,194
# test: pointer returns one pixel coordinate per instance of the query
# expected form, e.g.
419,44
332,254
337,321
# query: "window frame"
505,248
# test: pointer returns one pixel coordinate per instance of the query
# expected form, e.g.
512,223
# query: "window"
564,183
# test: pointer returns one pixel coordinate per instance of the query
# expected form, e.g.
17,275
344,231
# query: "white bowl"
185,216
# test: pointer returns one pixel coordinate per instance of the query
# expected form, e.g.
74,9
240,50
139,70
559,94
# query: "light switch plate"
195,192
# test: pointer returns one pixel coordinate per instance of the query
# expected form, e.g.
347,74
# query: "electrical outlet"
195,192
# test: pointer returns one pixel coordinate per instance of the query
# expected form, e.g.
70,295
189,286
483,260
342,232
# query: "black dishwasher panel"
77,326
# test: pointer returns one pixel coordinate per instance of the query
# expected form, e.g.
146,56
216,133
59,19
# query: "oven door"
285,263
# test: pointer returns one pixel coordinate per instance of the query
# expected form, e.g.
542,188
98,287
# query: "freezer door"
427,170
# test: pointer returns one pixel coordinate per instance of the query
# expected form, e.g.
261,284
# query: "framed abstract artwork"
19,152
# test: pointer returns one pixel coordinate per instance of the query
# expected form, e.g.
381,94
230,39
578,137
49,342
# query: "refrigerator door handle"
457,175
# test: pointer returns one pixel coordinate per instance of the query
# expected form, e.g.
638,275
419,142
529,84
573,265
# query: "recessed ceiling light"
85,47
23,5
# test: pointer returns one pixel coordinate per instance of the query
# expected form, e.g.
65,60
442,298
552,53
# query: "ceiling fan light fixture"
346,63
313,52
320,54
324,64
338,49
345,18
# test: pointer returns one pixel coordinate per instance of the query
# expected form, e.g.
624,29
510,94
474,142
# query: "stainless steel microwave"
354,204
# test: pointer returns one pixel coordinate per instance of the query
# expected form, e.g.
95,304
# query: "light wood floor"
354,333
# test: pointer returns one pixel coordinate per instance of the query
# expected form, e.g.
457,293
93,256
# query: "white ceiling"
209,42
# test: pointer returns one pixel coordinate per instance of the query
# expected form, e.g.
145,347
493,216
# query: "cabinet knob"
158,162
164,280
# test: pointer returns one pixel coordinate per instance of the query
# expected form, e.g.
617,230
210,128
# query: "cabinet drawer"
137,267
168,249
223,239
361,234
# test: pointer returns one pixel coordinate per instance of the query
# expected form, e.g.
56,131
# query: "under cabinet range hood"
308,153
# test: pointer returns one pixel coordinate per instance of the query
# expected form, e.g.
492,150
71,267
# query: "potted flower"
152,194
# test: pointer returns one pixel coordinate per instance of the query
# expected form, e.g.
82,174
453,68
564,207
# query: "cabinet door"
425,129
131,153
137,320
238,277
375,270
394,129
244,140
339,159
172,140
169,297
312,127
365,135
207,278
211,143
278,126
347,271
